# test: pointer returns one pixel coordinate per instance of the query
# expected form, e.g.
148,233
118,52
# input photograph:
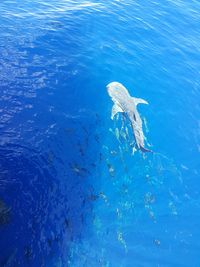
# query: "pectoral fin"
139,101
115,110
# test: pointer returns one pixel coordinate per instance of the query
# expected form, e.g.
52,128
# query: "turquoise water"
72,193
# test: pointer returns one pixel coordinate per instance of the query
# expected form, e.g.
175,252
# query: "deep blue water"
71,192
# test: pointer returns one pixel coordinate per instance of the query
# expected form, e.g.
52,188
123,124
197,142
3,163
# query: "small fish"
149,198
157,242
123,134
77,169
104,197
93,197
96,137
121,240
80,148
110,169
172,207
151,215
28,253
117,134
67,223
134,150
49,241
126,130
93,165
4,213
119,214
100,156
113,152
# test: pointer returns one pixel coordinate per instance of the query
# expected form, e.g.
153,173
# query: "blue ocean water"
72,193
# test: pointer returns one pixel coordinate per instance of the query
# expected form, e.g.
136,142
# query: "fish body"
127,104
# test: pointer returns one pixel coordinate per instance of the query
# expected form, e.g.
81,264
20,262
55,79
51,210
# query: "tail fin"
143,149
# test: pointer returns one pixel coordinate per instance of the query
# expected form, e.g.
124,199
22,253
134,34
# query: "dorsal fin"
115,109
139,101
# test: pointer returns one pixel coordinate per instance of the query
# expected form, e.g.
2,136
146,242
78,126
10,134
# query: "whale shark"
126,104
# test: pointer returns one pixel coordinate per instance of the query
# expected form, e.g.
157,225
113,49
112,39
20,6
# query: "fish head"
111,87
117,91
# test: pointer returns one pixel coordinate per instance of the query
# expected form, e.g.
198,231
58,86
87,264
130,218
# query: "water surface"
71,192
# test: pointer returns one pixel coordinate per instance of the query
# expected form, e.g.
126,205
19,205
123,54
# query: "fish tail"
143,149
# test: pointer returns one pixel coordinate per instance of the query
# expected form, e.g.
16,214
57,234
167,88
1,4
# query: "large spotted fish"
124,103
